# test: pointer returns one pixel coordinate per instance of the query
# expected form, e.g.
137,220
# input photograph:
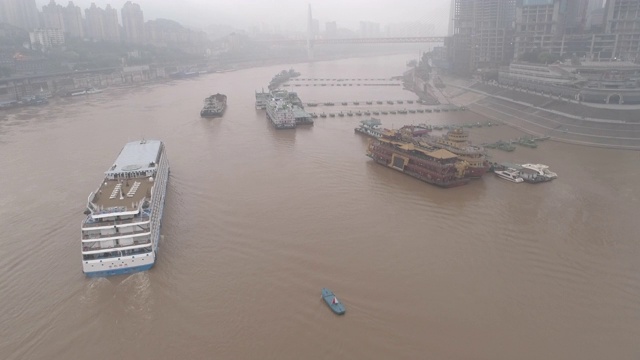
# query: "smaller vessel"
262,98
93,91
280,112
34,101
370,127
510,174
214,106
83,91
185,74
332,301
282,77
536,173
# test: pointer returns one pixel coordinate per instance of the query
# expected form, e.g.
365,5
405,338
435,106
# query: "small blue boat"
331,300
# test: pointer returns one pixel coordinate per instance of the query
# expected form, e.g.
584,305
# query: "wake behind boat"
121,232
332,301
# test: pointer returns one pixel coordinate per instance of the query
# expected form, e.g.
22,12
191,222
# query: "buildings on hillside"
493,33
98,24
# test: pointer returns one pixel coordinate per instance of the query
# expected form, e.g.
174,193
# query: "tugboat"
214,106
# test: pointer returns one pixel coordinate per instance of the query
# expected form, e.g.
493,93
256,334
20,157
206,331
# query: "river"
257,221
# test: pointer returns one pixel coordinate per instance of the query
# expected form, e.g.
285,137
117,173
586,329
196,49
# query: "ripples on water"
258,220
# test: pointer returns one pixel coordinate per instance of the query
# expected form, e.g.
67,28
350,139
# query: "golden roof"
442,154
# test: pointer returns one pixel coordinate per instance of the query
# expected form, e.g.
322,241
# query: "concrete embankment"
537,115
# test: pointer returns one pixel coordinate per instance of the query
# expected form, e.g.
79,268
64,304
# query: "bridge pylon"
309,50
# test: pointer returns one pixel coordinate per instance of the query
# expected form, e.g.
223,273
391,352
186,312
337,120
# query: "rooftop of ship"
262,94
462,147
373,123
402,139
216,98
126,184
279,103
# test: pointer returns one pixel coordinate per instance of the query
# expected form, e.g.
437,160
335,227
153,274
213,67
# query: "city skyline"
245,14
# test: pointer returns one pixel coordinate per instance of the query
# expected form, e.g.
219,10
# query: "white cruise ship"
121,231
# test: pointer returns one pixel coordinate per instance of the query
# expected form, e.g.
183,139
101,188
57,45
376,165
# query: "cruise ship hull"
119,271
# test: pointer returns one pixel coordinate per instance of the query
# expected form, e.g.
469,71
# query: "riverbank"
529,113
13,90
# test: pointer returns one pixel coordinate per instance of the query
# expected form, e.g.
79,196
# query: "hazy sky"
289,14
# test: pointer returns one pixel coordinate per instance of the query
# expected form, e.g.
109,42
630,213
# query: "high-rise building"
19,13
452,11
43,39
595,4
110,24
102,24
461,43
595,15
621,16
482,34
576,17
73,24
493,32
568,28
538,24
132,23
94,19
52,16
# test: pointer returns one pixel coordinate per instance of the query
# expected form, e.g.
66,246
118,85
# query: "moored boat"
83,91
332,301
280,113
121,231
399,150
512,175
370,127
261,99
541,170
93,91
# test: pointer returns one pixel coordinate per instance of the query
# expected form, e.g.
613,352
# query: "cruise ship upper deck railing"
89,222
116,235
97,247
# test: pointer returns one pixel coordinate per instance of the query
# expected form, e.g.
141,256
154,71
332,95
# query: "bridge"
385,40
312,41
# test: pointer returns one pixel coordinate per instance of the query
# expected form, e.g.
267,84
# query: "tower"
309,34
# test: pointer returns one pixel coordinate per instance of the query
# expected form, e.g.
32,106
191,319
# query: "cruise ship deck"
123,194
129,181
